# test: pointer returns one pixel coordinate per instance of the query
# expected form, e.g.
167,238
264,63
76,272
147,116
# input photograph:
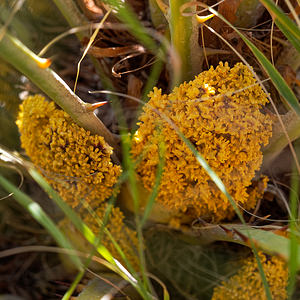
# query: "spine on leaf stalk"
24,60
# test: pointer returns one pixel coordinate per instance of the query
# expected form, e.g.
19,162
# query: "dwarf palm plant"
194,152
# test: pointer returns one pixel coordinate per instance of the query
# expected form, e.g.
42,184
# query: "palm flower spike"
247,283
78,165
220,113
115,231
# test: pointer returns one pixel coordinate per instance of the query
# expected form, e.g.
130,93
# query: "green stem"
157,13
74,285
24,60
184,38
71,13
279,140
74,17
293,244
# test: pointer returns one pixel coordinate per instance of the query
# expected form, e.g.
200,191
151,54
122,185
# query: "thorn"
242,236
94,106
297,81
203,19
43,63
265,217
227,231
245,239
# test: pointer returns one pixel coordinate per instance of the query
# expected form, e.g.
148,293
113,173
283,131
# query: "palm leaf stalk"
33,67
71,13
184,38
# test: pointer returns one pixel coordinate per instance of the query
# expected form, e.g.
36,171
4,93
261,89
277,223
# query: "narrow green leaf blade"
158,177
85,230
286,25
293,227
277,79
69,212
38,214
294,41
280,84
125,14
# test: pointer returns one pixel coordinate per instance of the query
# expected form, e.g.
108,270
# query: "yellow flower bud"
125,237
220,113
76,163
247,283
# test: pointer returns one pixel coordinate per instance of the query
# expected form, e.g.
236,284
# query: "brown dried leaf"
228,10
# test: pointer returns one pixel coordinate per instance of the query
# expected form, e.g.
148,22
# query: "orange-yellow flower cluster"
220,113
125,237
76,163
256,190
247,283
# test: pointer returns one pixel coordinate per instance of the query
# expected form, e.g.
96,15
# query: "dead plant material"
134,89
124,64
90,9
115,51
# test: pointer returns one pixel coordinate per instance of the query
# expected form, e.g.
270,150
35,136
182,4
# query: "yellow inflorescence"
76,163
256,191
247,283
219,112
125,237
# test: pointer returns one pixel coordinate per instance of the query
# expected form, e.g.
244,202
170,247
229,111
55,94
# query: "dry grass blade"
118,65
293,12
114,51
25,249
18,171
92,39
